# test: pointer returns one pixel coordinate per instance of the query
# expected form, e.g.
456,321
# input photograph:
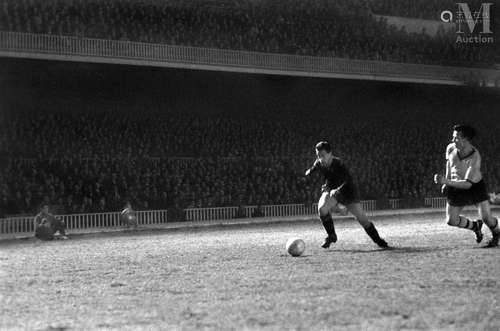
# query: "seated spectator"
47,225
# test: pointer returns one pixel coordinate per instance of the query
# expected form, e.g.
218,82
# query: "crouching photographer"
128,216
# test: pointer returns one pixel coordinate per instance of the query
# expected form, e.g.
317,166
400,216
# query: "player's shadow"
339,250
406,249
394,250
297,257
486,247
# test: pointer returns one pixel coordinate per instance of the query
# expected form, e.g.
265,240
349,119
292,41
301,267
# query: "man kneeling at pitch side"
128,216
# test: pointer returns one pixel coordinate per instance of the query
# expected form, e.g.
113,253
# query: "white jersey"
463,167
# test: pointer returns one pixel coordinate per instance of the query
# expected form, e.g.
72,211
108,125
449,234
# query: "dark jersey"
335,174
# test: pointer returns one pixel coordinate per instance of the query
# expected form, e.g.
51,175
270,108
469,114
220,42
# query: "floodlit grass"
242,279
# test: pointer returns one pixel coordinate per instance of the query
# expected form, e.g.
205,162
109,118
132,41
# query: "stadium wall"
66,48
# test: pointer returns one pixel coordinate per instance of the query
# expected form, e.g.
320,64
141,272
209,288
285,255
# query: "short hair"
467,131
324,146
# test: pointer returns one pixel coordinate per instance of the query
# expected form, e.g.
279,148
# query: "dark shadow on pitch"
393,250
485,247
340,250
300,256
403,249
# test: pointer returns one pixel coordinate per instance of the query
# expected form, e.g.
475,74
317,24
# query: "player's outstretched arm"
313,168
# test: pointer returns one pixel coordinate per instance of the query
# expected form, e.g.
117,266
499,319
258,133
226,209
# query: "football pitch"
241,278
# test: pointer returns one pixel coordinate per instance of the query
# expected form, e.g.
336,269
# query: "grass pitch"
437,278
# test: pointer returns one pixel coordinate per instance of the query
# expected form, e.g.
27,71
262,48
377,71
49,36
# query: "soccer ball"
295,246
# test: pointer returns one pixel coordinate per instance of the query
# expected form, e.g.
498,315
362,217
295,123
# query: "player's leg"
491,222
453,218
357,211
325,204
54,225
61,227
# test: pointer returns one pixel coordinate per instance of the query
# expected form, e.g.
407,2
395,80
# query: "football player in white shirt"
463,185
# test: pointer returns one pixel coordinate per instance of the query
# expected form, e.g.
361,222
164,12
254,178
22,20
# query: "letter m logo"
473,18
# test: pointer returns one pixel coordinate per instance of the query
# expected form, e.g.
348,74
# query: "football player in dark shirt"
339,187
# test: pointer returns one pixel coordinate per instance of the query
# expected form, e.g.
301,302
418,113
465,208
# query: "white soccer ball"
295,246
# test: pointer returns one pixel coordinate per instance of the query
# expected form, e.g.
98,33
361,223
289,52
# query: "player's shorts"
475,194
348,193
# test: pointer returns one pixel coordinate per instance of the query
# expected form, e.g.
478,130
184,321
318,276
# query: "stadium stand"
342,28
427,9
85,152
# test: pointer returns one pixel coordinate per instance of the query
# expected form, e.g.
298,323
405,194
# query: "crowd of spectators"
93,162
88,137
424,9
340,28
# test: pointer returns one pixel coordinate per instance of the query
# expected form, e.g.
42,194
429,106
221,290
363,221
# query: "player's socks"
495,233
373,234
465,223
477,231
327,222
475,226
